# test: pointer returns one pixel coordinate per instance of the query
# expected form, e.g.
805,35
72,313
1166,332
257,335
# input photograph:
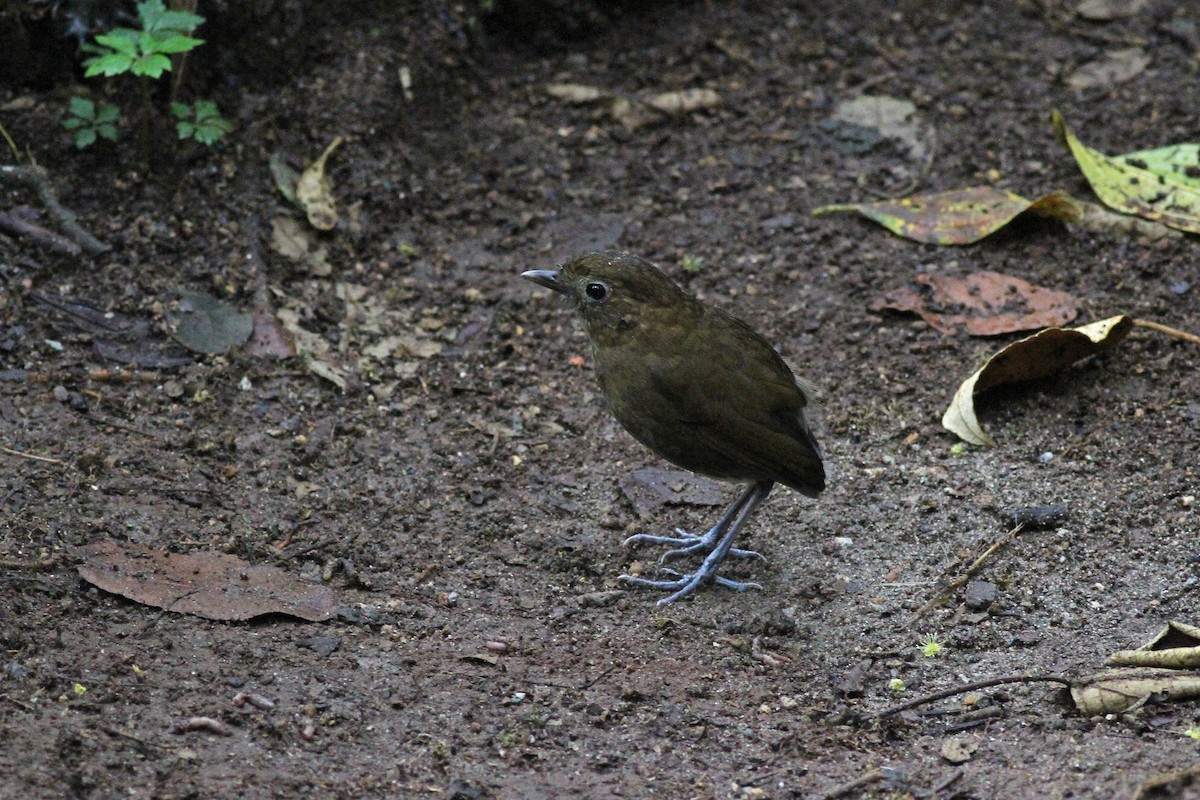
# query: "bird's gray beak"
550,278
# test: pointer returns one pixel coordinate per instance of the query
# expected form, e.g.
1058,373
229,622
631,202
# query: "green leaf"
1178,163
1131,188
176,43
181,110
107,132
177,21
150,12
108,66
71,123
207,110
153,65
85,137
119,43
107,114
82,107
185,128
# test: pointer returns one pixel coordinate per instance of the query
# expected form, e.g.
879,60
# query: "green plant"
201,121
144,53
87,122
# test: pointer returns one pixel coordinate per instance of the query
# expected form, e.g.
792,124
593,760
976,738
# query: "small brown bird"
697,386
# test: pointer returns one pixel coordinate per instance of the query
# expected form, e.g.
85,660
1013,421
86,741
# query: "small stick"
858,783
23,227
1178,334
32,457
206,724
967,687
961,580
36,177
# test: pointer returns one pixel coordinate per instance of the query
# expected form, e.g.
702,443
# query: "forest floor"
442,462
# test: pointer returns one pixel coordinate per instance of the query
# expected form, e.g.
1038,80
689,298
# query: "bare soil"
463,494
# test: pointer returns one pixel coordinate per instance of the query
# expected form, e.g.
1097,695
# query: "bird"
700,388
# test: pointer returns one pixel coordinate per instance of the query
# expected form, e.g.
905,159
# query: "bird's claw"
687,544
685,585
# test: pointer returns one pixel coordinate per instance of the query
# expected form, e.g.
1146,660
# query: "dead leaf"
1176,646
892,117
685,101
210,585
315,195
1098,218
958,216
981,304
959,749
651,487
271,338
292,240
576,93
1107,10
285,176
1045,353
205,324
1120,690
1114,67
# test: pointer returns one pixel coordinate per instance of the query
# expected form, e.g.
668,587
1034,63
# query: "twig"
966,687
961,580
858,783
23,227
32,457
36,178
1178,334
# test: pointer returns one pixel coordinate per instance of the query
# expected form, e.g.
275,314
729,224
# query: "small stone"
980,595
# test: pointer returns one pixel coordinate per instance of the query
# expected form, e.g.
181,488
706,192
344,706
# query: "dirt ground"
462,495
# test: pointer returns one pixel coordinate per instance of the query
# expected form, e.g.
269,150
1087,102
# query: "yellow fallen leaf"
1045,353
1133,189
1120,690
959,216
315,195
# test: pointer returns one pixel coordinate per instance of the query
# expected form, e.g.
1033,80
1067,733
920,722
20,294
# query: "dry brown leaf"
1045,353
981,304
1117,66
684,101
208,584
1176,646
1120,690
315,195
576,93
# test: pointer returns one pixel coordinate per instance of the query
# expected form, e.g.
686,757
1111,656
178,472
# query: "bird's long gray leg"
688,543
683,586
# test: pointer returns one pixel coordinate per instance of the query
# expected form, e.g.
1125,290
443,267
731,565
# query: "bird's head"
614,291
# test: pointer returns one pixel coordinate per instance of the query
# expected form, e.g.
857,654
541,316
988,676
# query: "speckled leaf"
982,303
959,216
1178,163
1043,354
207,584
1131,189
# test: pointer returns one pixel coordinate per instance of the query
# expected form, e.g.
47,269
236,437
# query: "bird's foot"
688,543
685,585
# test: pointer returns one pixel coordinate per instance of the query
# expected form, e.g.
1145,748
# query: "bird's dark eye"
596,291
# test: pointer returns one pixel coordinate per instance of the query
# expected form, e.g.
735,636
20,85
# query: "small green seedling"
144,53
692,264
201,121
931,647
87,122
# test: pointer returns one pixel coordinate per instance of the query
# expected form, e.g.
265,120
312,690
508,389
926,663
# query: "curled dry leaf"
959,216
1043,354
1176,646
981,304
1120,690
315,195
1153,184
